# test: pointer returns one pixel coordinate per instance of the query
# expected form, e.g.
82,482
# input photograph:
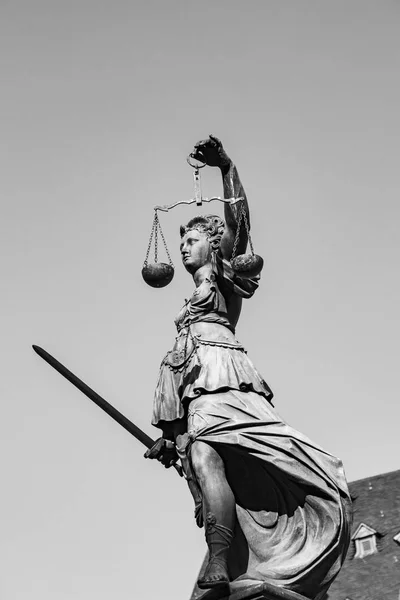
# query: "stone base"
249,590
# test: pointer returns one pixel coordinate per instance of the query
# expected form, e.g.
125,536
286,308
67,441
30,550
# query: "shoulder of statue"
230,283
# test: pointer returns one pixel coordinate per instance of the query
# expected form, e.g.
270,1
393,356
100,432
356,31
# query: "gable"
363,531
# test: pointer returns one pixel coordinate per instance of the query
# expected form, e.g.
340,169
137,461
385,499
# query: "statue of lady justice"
275,506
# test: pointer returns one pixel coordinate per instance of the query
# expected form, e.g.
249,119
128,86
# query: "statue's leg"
183,443
210,473
219,512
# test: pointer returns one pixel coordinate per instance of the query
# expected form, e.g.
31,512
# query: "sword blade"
94,397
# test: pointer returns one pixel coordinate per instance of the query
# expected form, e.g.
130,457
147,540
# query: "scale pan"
247,265
158,275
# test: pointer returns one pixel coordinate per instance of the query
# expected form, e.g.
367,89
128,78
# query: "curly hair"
212,225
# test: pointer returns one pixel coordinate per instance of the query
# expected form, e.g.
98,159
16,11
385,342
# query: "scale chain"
150,241
235,243
157,224
155,229
165,243
246,223
242,215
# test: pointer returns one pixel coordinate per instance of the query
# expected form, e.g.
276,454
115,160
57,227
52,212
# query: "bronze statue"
275,506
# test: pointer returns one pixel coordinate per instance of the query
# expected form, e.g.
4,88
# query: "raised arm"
213,154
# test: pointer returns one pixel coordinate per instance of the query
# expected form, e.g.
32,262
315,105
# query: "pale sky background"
101,101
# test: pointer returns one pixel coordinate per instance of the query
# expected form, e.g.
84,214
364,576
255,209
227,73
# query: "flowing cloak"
292,502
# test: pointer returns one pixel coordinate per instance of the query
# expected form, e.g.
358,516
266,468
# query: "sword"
101,403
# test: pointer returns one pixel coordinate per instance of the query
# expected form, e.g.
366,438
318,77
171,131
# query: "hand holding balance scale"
159,274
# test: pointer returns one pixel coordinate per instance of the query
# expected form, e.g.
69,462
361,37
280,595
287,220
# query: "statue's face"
195,250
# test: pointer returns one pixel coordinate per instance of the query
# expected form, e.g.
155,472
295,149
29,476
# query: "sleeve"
230,282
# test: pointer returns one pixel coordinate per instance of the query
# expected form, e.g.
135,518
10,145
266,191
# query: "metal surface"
194,165
250,591
167,207
155,229
101,402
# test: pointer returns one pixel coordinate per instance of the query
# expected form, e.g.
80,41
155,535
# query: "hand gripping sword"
101,403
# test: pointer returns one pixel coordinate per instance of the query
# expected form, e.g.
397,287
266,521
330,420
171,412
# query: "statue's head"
199,239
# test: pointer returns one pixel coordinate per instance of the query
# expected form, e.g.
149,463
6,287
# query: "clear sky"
101,101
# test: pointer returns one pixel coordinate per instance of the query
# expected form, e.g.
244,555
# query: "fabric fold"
210,366
292,502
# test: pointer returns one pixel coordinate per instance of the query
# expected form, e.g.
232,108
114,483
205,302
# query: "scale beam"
167,207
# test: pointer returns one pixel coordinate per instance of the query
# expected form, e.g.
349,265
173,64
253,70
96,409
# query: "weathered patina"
275,506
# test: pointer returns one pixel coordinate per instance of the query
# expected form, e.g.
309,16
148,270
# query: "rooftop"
376,574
